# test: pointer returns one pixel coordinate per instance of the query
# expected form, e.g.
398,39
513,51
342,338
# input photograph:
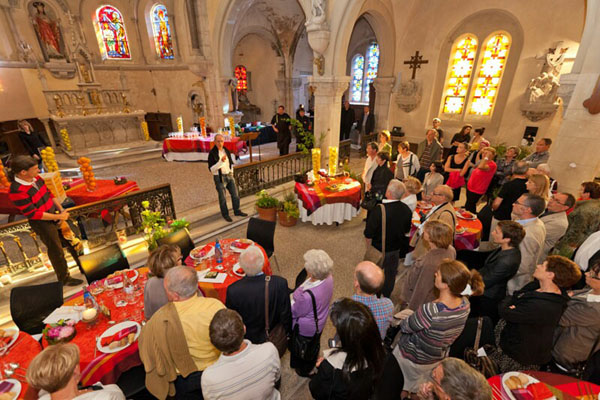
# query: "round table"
22,352
466,240
563,386
329,200
230,258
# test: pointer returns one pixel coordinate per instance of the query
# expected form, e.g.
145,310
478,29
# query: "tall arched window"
111,34
372,64
477,95
241,74
162,32
490,74
459,77
358,68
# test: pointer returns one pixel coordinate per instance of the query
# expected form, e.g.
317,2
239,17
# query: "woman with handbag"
407,163
351,370
428,333
310,307
457,166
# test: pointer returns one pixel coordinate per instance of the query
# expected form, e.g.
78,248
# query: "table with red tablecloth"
230,258
563,387
468,232
197,148
22,352
329,200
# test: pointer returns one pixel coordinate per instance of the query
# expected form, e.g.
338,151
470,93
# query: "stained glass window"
371,73
459,76
358,67
111,35
162,32
242,78
490,75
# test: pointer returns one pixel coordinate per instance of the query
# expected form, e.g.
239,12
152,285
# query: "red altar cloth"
197,145
322,193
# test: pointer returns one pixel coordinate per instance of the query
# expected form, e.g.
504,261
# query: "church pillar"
46,123
383,86
328,105
574,153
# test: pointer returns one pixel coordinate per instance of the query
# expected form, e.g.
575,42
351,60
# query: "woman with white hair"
318,286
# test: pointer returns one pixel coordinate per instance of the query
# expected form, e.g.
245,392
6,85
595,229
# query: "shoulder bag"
483,364
277,335
372,254
307,349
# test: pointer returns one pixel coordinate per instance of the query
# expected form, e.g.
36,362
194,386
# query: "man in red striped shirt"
31,196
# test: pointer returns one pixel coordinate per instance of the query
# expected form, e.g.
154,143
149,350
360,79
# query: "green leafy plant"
289,205
155,226
265,200
306,138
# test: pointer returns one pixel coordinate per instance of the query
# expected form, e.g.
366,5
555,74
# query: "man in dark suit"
247,297
346,121
281,125
220,164
398,222
367,125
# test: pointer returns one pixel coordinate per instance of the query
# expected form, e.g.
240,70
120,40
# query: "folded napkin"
241,245
6,386
105,341
63,312
522,394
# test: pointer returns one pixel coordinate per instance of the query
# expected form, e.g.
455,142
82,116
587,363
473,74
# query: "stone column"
574,153
46,123
328,105
383,86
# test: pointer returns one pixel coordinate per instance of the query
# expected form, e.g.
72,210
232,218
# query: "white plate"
120,284
514,373
210,253
237,269
114,329
15,335
15,389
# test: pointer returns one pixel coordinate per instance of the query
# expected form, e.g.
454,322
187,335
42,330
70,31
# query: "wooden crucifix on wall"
415,62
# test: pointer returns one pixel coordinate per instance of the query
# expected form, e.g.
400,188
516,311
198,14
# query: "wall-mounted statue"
48,31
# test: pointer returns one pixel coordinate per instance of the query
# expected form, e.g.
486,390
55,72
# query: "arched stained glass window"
371,73
356,86
489,75
111,34
241,74
162,32
459,76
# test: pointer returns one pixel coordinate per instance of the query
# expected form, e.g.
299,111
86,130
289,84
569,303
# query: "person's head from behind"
24,167
510,233
529,206
226,331
453,276
181,283
543,145
513,152
436,166
318,264
589,190
163,258
382,158
561,271
219,141
359,336
413,185
520,168
252,261
54,368
438,234
442,194
543,169
395,190
561,202
454,379
368,278
479,131
372,149
538,184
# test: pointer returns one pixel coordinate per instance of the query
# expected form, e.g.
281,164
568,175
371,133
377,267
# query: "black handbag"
277,335
370,201
306,349
483,364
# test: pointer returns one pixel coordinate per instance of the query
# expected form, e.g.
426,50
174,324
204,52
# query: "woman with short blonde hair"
413,186
538,184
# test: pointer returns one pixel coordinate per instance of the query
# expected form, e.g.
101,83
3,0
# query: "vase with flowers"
156,227
62,331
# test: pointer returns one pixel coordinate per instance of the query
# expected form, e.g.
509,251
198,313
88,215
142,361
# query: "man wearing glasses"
556,221
526,211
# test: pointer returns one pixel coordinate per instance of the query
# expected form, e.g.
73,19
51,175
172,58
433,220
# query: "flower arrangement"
289,205
61,332
156,227
265,200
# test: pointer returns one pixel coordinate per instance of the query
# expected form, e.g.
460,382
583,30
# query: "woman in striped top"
429,332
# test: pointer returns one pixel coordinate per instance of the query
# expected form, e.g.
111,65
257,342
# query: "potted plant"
288,211
156,227
266,206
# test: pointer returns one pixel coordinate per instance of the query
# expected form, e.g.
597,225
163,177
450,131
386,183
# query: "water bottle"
128,289
218,252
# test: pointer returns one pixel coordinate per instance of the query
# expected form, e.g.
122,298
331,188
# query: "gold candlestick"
82,104
125,104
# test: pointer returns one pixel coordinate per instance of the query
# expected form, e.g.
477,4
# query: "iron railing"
253,177
344,150
96,222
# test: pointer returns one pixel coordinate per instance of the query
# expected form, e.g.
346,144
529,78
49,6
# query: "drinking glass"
119,299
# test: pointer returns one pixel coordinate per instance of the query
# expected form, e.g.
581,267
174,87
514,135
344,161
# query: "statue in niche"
233,94
197,105
85,73
317,14
48,32
554,60
543,88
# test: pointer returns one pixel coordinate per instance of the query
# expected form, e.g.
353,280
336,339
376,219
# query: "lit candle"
180,124
316,161
89,314
333,160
